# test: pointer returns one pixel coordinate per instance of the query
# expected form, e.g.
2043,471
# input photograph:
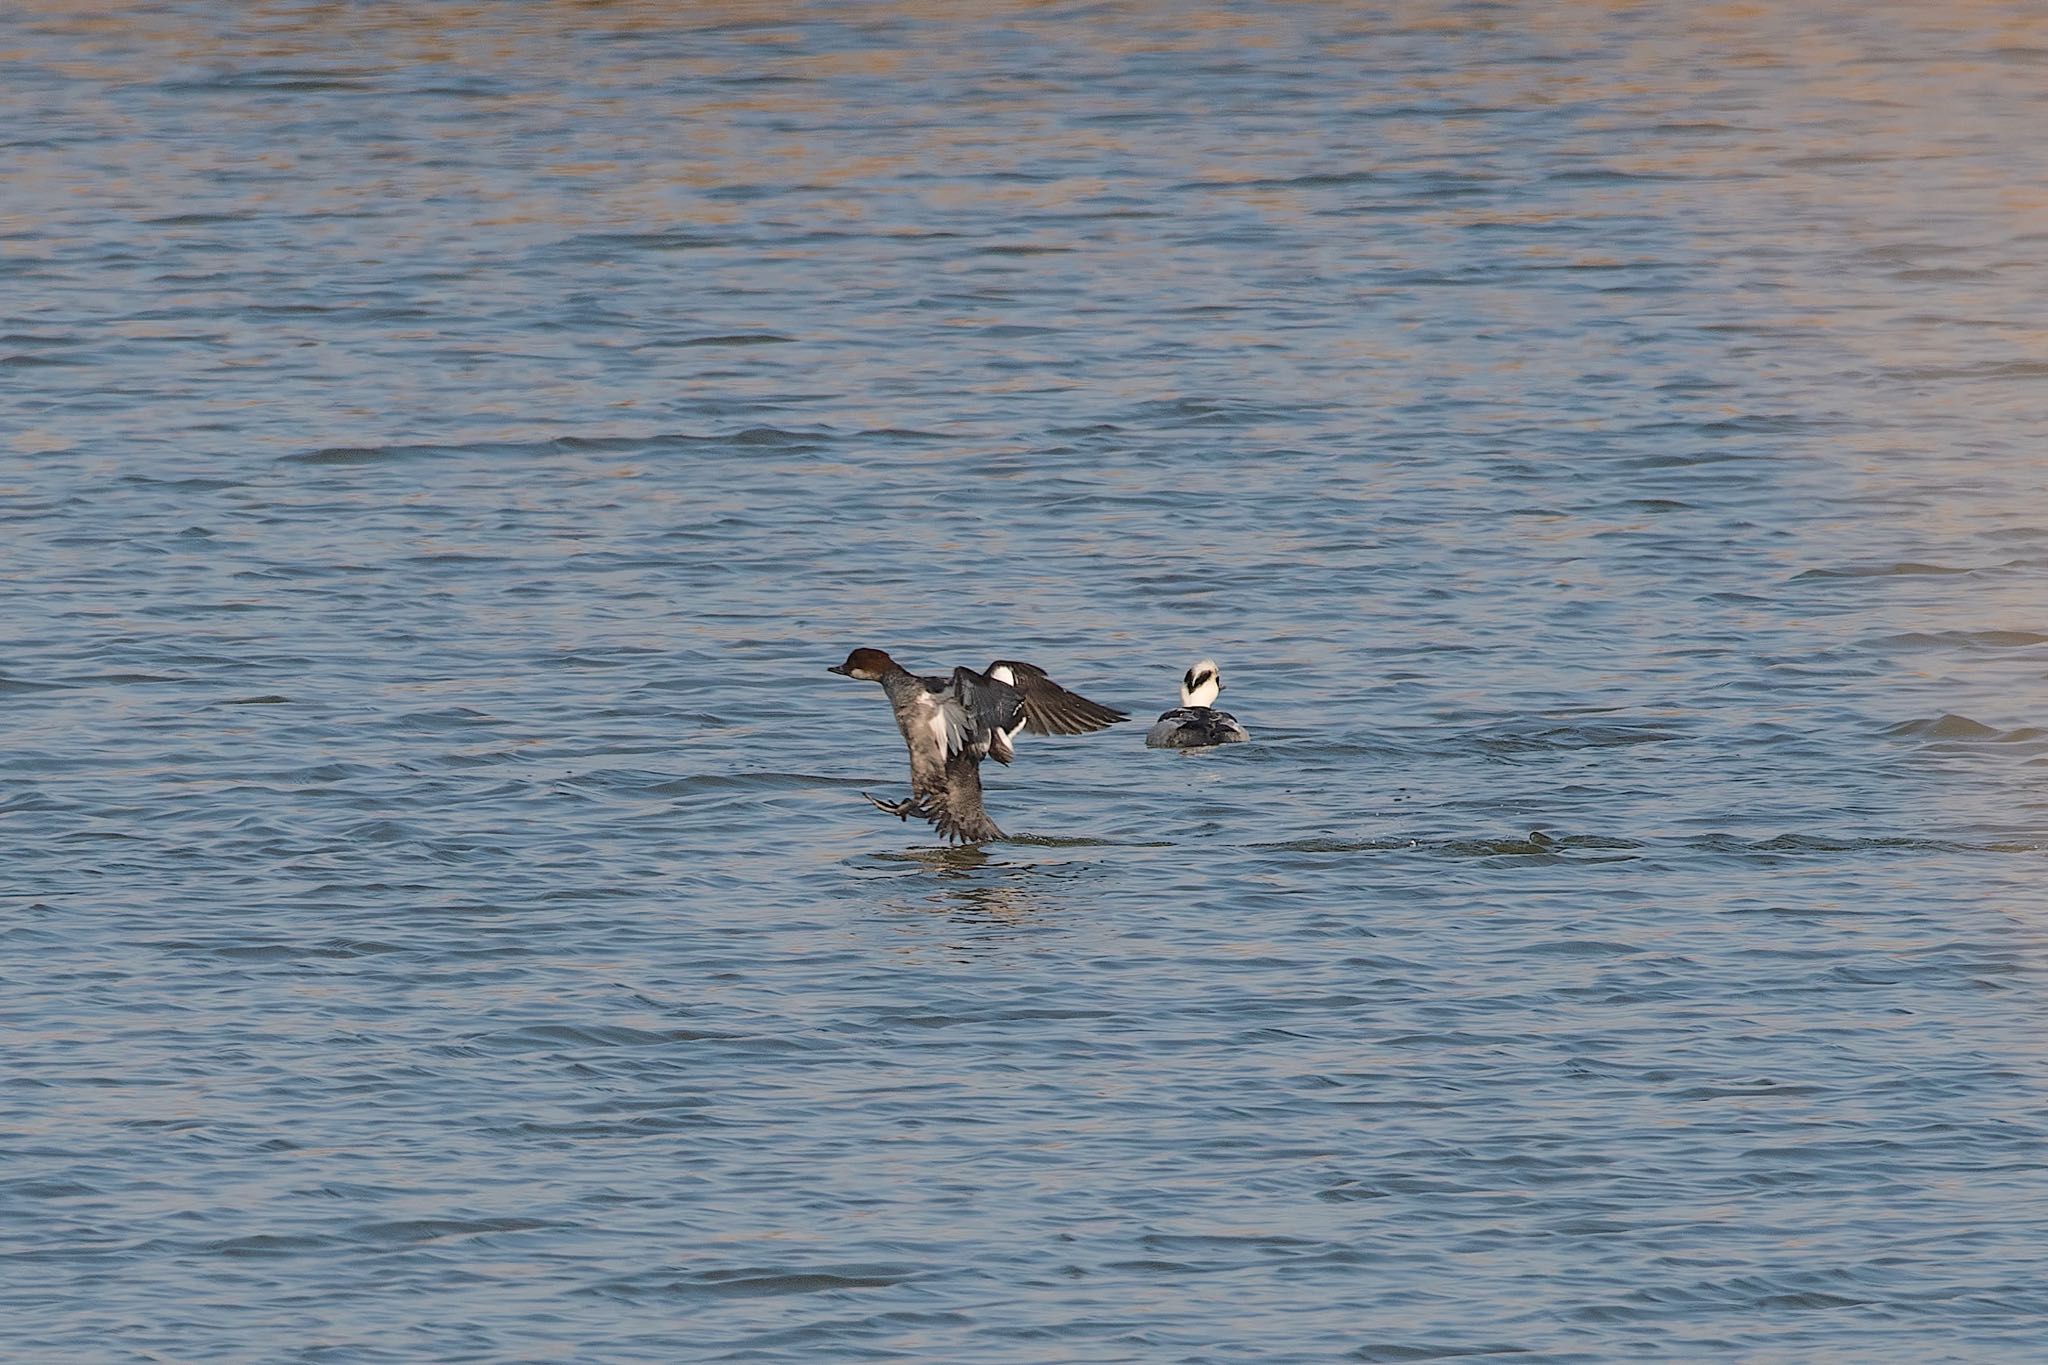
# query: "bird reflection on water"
967,882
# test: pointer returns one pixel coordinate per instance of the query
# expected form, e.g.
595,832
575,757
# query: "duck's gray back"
1195,727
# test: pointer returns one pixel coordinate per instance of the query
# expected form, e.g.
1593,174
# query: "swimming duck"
951,724
1195,723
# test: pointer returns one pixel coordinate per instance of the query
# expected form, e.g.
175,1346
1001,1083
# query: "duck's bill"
841,669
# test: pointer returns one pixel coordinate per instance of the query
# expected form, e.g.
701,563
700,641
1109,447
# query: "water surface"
442,451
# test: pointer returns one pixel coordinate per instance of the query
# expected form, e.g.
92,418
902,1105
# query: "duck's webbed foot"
902,810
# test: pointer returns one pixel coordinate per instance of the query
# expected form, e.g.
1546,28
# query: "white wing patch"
1007,676
946,723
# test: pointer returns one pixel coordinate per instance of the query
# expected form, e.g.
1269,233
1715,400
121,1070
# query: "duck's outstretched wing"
1050,709
986,710
956,810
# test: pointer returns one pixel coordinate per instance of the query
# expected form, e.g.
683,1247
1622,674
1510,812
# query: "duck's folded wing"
1050,709
936,729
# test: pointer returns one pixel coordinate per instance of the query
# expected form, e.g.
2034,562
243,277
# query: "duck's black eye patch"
1198,681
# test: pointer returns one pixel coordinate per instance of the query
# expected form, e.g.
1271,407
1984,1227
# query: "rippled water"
442,452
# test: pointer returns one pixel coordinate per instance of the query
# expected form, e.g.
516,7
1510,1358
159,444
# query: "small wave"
1765,1088
1388,1352
356,455
284,80
1945,726
535,1036
650,241
378,832
724,339
1575,737
775,437
196,219
602,1130
751,1282
617,656
1985,639
1535,844
25,685
266,1244
1993,369
446,718
401,452
702,782
338,949
903,434
416,1231
1950,274
1835,844
34,1188
1321,180
1582,947
196,484
1904,568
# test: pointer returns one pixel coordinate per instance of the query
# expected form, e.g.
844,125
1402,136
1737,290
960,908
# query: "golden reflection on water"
1869,179
1808,94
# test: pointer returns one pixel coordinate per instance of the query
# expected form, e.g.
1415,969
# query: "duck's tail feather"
957,811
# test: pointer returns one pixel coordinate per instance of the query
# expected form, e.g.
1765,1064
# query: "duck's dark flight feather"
1050,709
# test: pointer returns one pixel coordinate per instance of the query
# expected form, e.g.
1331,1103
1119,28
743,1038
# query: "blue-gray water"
442,451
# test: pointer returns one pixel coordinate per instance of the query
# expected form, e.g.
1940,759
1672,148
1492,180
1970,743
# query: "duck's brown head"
866,664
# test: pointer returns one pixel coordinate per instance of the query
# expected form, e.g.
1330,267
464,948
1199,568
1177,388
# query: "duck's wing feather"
1050,709
987,709
936,728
